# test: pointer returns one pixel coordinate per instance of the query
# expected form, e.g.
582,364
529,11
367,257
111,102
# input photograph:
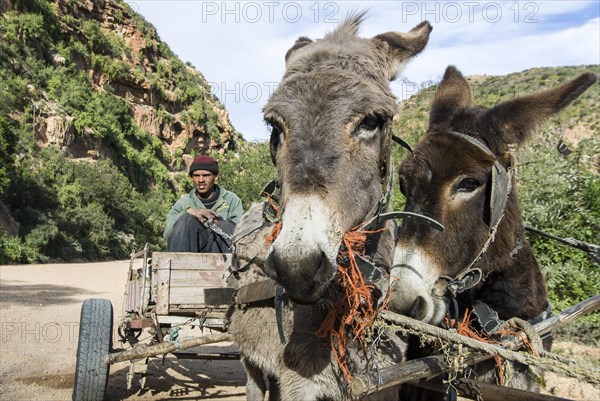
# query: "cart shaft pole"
145,351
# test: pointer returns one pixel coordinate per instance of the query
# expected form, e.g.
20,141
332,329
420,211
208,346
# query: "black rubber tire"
95,341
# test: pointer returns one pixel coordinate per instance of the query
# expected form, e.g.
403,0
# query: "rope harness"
470,276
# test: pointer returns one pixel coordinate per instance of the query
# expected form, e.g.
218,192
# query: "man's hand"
203,215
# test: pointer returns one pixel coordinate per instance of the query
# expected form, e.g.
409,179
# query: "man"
189,220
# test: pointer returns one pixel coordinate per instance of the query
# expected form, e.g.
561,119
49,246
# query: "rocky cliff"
129,60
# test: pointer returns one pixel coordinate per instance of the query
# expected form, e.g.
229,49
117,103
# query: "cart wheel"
95,330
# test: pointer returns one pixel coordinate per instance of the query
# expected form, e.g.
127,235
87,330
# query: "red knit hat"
205,163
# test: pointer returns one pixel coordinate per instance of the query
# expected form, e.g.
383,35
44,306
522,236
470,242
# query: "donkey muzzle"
303,256
304,275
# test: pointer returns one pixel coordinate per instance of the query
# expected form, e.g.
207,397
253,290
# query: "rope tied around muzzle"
355,312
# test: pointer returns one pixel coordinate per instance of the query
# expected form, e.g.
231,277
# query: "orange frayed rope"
277,226
355,313
465,328
274,233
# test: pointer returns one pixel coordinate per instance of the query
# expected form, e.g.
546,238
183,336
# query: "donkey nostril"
419,309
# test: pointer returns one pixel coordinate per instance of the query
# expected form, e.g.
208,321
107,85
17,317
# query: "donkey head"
330,118
459,174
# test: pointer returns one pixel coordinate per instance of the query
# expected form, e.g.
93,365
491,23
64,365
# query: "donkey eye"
468,185
277,135
369,123
368,126
402,187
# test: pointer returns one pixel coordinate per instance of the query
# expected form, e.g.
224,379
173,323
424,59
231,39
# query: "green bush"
81,210
100,42
71,89
561,196
7,148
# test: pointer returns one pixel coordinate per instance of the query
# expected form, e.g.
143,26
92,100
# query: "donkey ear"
300,42
452,93
401,46
517,118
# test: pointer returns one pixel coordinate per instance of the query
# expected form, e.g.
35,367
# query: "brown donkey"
331,135
460,174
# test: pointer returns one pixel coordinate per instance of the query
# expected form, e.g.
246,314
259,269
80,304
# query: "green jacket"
228,206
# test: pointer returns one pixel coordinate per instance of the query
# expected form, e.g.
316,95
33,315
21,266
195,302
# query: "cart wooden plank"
191,278
180,278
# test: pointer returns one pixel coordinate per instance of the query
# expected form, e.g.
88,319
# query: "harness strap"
402,143
464,281
379,209
264,291
490,322
247,231
381,206
403,215
279,291
469,276
256,292
487,317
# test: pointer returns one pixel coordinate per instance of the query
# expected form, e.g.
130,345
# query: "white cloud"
240,46
553,7
571,46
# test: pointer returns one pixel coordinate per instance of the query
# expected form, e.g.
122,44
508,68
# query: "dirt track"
39,323
39,315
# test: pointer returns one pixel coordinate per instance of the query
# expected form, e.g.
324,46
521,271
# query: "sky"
239,46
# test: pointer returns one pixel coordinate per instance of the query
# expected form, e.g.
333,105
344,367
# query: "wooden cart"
172,291
164,294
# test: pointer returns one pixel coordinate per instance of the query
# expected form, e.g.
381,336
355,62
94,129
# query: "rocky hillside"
115,51
88,85
579,121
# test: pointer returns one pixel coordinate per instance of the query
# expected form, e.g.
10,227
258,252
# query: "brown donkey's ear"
452,93
401,46
300,42
517,118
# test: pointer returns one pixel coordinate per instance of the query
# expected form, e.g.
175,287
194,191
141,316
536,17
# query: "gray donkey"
331,136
